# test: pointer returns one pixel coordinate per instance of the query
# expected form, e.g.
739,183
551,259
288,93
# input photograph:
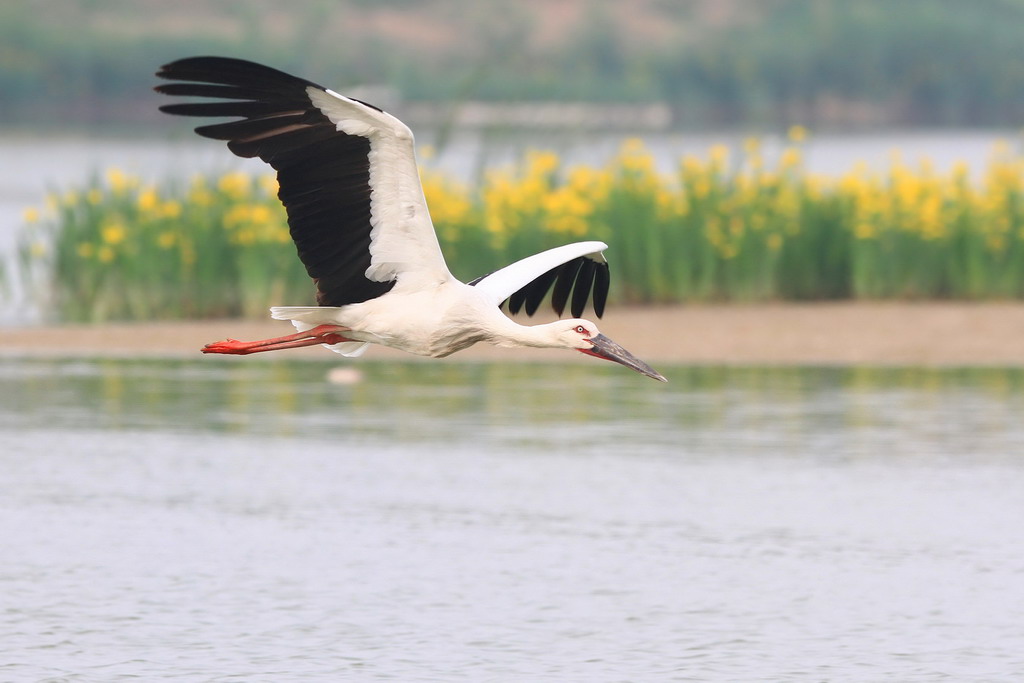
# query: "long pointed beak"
609,350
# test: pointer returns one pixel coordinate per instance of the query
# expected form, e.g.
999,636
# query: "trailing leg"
321,334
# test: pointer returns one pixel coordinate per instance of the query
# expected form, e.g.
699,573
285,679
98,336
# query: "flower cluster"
716,227
122,248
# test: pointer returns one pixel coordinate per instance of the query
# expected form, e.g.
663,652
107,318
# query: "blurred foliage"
118,249
715,229
768,62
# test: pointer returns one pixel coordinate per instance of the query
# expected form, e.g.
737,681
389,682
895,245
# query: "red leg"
321,334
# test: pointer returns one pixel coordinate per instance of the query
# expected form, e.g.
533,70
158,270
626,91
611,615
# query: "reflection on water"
949,411
217,519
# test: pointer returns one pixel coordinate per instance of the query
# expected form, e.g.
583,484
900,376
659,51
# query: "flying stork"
356,212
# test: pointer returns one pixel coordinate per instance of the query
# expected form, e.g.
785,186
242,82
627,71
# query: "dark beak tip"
610,350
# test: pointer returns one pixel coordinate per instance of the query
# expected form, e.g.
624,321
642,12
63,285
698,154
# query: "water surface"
221,520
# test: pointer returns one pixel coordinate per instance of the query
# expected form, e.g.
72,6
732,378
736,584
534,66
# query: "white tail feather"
348,349
314,315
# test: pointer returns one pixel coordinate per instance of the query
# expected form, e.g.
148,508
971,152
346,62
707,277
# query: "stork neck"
509,333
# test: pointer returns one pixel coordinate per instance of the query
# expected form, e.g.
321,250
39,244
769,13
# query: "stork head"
584,336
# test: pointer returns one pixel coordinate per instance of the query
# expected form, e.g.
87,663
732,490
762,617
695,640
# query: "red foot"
229,346
322,334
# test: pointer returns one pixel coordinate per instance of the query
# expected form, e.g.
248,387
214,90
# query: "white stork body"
348,179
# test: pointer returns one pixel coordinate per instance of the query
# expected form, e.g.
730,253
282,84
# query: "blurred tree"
717,62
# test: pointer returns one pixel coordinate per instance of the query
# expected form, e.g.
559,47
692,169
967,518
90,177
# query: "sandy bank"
819,333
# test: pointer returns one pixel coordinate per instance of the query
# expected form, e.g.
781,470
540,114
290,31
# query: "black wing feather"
566,277
323,174
229,92
582,276
246,108
266,126
602,280
581,290
515,302
287,148
537,290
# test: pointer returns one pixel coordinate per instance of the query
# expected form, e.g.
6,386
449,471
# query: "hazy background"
752,64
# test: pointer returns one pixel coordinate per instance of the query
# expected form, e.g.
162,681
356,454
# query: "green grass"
714,230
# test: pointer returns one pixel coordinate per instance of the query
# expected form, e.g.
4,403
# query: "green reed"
713,229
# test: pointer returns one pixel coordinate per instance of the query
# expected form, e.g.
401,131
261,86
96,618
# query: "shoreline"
833,333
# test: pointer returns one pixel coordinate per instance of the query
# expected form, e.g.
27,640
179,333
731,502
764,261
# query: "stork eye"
581,329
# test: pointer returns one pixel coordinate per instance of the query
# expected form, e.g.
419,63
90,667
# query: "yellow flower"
692,165
37,250
590,182
701,188
796,134
166,240
728,251
105,254
269,184
94,196
236,215
494,223
261,214
719,155
30,215
449,203
541,163
634,157
244,237
148,200
119,181
113,232
814,184
198,191
235,185
573,225
960,169
200,196
669,202
775,241
864,231
170,209
930,216
791,158
85,249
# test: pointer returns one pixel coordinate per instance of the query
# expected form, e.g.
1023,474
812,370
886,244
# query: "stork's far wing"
579,267
346,170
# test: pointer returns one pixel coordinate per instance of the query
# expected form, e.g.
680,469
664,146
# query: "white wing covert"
579,267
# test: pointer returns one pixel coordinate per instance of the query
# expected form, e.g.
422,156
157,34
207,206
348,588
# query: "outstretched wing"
579,267
346,170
